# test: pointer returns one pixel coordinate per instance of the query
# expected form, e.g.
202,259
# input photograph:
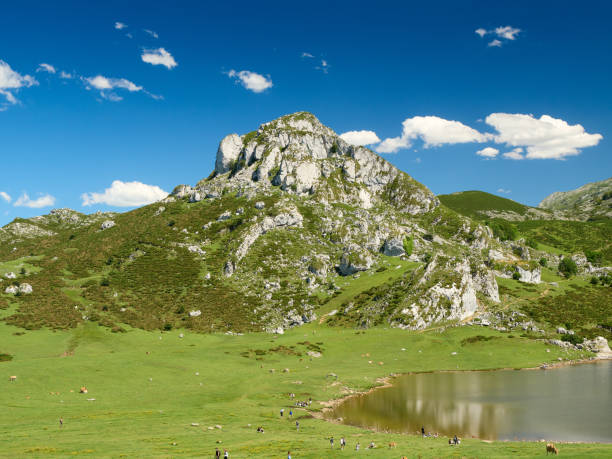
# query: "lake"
571,403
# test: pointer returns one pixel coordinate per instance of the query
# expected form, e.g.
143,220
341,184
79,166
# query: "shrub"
104,282
567,267
516,275
428,237
593,257
543,262
594,280
427,258
408,244
167,326
22,271
503,230
531,243
574,339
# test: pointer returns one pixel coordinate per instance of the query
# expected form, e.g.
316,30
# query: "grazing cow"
83,390
392,445
12,378
550,448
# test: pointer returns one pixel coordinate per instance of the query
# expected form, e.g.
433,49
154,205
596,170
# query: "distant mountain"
482,206
590,201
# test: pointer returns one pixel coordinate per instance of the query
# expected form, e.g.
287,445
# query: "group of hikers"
372,445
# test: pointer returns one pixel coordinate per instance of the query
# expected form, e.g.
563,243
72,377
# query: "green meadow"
155,394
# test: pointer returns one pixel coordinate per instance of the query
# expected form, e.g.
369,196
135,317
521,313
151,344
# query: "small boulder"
13,289
196,313
107,224
10,275
260,205
25,289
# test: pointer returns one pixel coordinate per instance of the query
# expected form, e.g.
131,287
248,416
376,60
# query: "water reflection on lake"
572,403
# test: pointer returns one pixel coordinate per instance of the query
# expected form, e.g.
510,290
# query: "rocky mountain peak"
301,156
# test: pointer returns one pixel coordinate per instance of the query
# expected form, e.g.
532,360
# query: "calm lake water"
572,403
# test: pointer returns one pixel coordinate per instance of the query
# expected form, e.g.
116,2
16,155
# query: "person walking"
291,412
331,441
357,446
61,421
225,454
217,453
282,411
297,425
342,443
422,431
288,454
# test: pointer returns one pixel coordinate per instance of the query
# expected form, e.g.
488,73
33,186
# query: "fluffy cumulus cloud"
516,154
45,200
543,138
4,195
507,33
11,81
103,83
45,68
158,56
125,194
488,152
434,131
360,137
251,80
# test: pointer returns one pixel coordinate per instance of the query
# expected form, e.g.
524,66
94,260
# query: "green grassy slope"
150,387
473,203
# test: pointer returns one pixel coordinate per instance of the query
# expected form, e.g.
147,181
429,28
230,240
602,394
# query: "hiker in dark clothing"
61,422
422,431
217,453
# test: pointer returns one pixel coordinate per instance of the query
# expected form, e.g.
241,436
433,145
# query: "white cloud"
65,75
102,83
125,194
24,200
504,191
307,55
324,66
507,32
4,195
251,80
495,44
120,25
482,32
516,154
151,32
360,137
11,80
45,68
434,131
158,57
544,138
488,152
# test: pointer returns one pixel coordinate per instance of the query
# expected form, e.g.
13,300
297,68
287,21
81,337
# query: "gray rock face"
394,247
353,260
530,277
107,224
228,152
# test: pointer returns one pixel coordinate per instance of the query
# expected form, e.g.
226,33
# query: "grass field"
150,387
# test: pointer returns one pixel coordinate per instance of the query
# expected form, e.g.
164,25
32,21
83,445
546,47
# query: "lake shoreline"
387,381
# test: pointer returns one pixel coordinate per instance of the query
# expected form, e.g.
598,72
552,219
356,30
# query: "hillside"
293,225
591,201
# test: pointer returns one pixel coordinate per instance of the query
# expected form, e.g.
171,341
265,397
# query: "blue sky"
535,87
